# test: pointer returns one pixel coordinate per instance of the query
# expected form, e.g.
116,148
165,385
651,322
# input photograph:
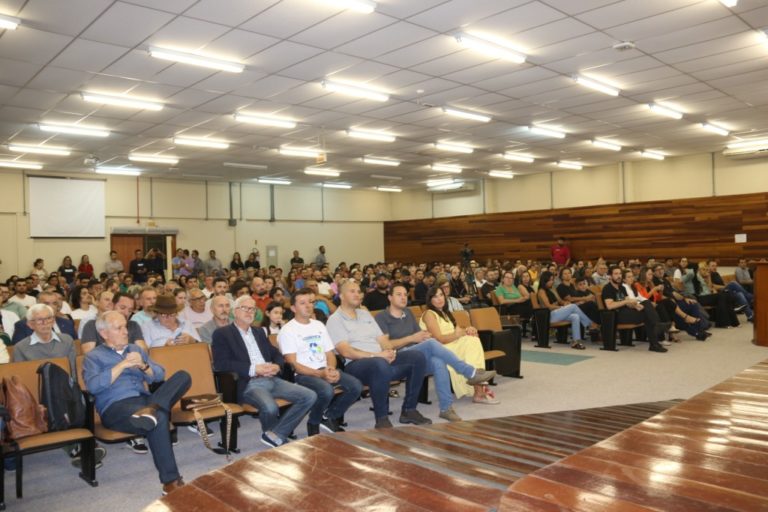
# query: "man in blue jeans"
306,345
245,350
359,339
403,333
115,373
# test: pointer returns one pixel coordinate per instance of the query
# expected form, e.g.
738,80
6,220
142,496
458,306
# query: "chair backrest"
273,341
26,371
598,291
77,325
79,372
462,319
535,300
374,313
78,347
417,311
495,299
192,358
485,319
9,348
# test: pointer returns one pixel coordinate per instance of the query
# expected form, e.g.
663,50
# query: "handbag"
199,403
27,417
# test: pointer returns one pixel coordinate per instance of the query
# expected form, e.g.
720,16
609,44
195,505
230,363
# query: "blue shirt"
97,373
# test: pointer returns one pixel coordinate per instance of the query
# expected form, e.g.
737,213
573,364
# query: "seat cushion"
53,438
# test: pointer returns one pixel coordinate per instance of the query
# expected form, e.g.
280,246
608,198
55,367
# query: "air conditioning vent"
746,153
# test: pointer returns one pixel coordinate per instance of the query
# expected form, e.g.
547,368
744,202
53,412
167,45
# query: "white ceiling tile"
14,72
182,75
619,13
281,55
227,82
387,39
422,51
288,17
571,7
342,28
68,18
6,92
58,79
191,98
689,35
757,17
459,13
743,41
593,49
700,13
269,86
551,33
233,14
32,98
137,65
173,6
31,45
736,68
225,105
239,45
126,25
321,66
191,35
509,24
83,55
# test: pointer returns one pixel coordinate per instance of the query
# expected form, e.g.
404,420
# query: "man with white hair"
44,342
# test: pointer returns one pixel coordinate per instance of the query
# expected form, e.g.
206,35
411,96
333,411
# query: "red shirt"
85,268
560,254
262,302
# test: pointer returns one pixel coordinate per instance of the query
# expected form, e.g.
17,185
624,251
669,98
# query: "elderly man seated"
220,309
117,373
167,328
22,329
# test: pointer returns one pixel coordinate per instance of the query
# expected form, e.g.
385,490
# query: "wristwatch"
145,367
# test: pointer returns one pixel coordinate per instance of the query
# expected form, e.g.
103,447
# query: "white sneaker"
665,343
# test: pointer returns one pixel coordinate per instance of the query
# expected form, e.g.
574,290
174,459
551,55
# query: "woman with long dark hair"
561,310
441,324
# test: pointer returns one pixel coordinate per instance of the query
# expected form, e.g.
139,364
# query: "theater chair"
26,371
609,327
502,346
541,319
195,358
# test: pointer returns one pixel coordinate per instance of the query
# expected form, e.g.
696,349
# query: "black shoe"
312,429
174,437
414,417
383,422
330,426
99,454
657,348
137,445
702,336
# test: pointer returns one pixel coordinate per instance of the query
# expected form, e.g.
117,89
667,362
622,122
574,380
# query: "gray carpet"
128,482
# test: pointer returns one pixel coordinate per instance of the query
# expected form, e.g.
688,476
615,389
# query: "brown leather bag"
28,418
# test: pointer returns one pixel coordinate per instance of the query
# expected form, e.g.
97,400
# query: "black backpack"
62,396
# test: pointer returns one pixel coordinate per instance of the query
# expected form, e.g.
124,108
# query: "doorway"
127,245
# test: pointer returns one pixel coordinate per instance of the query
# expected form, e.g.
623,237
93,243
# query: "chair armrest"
90,411
226,384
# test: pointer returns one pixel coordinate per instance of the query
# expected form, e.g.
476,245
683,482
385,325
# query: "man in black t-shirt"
579,294
138,268
420,292
630,311
297,261
376,299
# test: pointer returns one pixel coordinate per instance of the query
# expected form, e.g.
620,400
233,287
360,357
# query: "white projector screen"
66,208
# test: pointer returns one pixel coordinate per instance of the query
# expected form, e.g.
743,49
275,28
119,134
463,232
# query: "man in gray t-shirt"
358,338
123,303
402,332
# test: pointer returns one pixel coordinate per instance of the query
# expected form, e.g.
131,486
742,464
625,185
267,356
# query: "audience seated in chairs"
561,310
723,303
464,343
358,338
62,325
510,298
741,297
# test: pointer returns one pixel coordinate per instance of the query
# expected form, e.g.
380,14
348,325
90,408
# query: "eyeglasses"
197,298
44,320
247,309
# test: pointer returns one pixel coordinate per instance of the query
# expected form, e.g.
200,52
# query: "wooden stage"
464,466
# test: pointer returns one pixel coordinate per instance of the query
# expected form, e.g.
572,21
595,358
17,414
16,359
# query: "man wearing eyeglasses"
195,313
44,343
245,350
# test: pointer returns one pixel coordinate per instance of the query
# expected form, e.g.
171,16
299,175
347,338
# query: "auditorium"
425,255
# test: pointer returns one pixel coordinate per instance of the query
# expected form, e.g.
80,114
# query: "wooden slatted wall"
697,228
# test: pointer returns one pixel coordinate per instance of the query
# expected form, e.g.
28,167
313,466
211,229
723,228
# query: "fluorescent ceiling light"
277,122
389,189
596,85
519,157
498,49
240,165
665,111
201,143
437,183
466,115
337,185
361,6
605,144
570,165
447,186
302,152
9,23
40,150
446,168
272,181
332,173
547,132
715,129
749,144
377,136
651,154
118,171
380,161
729,3
455,148
74,129
195,59
18,164
502,174
153,159
121,101
385,177
355,90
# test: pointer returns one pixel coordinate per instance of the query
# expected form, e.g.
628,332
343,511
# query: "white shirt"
196,319
9,320
253,349
81,314
309,342
35,339
28,301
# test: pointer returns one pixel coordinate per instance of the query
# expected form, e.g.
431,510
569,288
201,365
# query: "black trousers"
647,316
723,304
591,310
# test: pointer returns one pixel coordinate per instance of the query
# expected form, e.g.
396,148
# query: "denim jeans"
438,359
261,392
332,405
573,314
741,296
117,417
377,373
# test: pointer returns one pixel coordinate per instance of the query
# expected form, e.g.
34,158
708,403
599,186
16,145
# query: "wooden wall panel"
697,228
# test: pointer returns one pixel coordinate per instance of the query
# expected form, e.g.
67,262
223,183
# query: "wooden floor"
708,453
464,466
